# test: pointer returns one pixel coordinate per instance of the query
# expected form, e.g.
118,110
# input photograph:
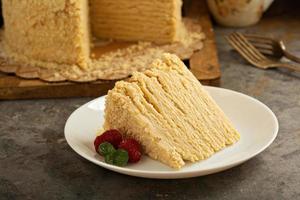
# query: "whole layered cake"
50,33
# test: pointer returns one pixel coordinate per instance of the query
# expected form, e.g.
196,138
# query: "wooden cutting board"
203,64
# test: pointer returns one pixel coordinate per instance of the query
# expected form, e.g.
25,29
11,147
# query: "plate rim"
176,173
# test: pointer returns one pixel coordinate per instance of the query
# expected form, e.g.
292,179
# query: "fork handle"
288,54
288,66
291,56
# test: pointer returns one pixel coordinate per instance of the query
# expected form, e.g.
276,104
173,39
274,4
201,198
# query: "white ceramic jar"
238,13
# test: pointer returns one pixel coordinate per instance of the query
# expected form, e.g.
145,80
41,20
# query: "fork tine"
241,50
244,48
261,45
266,51
249,46
261,39
265,45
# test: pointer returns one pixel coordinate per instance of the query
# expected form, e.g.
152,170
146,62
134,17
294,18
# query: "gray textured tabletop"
37,163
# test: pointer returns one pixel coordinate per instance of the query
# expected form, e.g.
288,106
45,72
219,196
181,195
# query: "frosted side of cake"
47,31
134,20
168,111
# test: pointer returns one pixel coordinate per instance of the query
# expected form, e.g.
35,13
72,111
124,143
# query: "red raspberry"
133,148
134,155
112,136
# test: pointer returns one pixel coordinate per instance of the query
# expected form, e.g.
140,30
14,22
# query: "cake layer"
168,111
147,20
38,31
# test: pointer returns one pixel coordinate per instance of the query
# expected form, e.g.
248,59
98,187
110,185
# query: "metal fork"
252,55
271,46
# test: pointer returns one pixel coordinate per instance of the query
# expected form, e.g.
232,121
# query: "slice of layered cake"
41,32
168,111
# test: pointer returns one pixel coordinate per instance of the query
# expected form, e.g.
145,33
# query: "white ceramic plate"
256,123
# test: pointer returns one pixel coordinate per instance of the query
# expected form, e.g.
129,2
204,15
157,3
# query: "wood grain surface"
204,65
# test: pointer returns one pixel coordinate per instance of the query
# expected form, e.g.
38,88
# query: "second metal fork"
252,55
271,46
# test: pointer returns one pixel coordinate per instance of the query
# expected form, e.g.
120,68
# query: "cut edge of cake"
154,21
